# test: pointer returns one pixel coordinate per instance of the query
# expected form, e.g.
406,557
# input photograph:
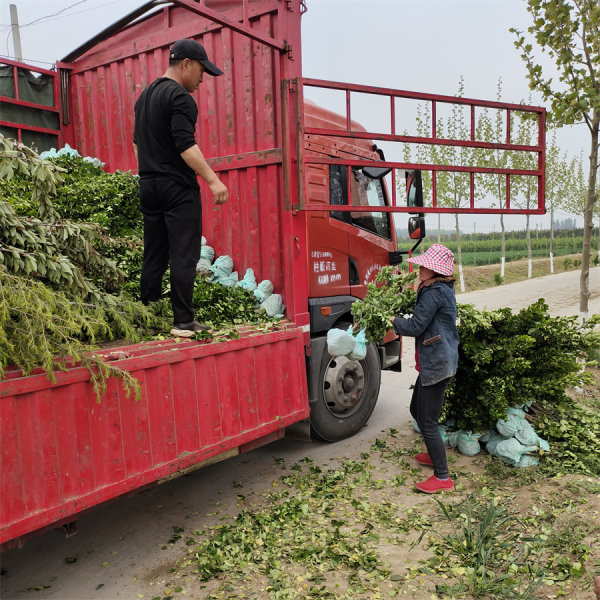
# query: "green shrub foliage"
58,292
220,305
509,359
47,328
390,296
101,206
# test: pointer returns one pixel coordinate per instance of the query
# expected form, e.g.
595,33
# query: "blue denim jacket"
433,325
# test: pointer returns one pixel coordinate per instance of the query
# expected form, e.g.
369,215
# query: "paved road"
561,292
119,548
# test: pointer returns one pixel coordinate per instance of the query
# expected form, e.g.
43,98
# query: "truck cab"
345,251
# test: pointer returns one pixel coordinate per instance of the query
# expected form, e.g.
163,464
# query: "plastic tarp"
38,90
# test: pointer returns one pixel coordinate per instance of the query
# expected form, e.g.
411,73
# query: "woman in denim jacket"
433,325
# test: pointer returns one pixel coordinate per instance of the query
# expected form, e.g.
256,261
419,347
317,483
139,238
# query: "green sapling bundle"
390,296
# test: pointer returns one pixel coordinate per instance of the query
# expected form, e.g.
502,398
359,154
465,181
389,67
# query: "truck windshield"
365,192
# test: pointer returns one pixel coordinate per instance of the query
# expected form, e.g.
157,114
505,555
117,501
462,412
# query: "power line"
53,15
26,60
47,18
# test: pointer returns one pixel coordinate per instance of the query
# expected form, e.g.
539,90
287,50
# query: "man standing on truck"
169,161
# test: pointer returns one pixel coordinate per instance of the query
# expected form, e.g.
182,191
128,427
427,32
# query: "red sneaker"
433,485
423,459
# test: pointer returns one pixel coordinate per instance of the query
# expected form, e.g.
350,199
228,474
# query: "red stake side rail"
20,127
434,100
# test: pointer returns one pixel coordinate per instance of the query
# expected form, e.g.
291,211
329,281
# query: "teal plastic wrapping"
340,342
263,290
360,346
249,281
273,306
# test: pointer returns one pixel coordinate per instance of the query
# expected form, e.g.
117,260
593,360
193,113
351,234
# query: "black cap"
187,48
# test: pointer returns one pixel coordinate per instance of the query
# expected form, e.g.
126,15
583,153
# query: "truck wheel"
347,392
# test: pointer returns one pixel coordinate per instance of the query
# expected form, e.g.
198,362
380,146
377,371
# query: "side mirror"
416,227
376,172
414,189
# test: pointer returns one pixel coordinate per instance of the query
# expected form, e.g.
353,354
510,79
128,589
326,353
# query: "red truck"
309,209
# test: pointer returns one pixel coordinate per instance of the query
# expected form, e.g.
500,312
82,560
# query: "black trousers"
172,234
426,407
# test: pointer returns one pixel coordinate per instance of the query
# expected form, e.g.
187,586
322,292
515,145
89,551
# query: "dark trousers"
426,407
172,234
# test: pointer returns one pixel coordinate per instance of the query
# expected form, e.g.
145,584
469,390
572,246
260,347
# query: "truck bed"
63,451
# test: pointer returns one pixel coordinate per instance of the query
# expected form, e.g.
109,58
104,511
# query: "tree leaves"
569,30
390,296
509,359
55,250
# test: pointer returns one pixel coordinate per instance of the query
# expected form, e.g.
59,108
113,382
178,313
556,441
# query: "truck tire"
347,391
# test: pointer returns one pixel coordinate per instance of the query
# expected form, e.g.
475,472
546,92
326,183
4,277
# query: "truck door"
370,234
327,238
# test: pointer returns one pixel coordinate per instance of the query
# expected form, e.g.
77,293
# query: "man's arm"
195,160
135,151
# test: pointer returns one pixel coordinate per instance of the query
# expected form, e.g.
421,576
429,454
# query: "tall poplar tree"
491,129
569,32
452,188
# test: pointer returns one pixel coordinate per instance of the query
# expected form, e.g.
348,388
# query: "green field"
485,249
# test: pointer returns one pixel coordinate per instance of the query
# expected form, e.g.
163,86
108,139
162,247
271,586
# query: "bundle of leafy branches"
219,305
87,194
391,295
47,261
508,359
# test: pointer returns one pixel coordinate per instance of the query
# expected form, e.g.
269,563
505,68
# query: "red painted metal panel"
63,451
246,389
136,431
76,472
12,498
160,413
208,394
105,435
185,406
228,402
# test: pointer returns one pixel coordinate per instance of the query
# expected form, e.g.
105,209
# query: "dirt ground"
569,505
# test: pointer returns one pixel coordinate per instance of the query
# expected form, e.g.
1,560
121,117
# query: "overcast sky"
418,45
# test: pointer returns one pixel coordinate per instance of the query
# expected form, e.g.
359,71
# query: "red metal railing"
434,100
20,127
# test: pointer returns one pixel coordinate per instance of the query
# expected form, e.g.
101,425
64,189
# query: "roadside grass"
356,528
485,276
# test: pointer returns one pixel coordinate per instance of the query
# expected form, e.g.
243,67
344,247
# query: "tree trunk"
503,254
588,221
598,248
439,230
552,240
459,255
528,237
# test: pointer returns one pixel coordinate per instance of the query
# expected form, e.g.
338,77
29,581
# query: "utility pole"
14,22
474,250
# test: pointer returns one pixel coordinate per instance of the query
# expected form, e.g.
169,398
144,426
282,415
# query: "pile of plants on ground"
60,289
512,388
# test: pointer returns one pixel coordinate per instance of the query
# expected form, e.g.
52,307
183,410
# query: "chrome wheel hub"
343,386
